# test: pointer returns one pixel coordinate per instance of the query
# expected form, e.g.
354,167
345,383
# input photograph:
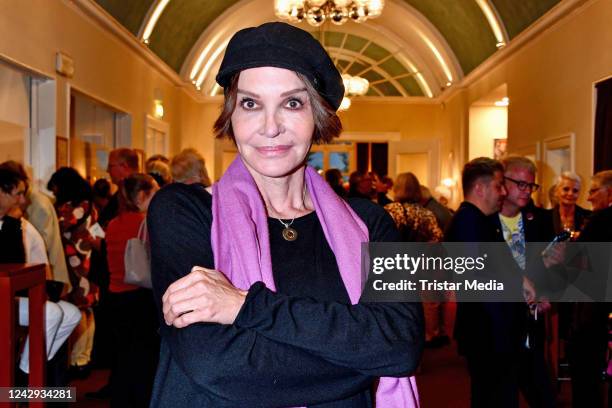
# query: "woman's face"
568,191
273,122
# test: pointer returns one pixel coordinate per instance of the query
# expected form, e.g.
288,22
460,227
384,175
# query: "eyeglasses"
523,186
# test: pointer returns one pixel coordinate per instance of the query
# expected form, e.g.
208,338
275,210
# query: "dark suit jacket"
493,327
581,216
538,228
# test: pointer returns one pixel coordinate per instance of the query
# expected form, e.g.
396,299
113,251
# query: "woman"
416,223
567,215
76,216
270,317
134,325
188,167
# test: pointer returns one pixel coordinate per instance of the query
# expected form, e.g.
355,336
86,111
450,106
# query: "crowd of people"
81,231
256,285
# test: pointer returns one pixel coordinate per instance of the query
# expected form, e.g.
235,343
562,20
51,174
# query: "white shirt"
35,251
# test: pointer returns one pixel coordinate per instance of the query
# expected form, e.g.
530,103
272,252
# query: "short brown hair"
129,189
476,169
513,162
407,188
327,123
189,166
604,177
127,156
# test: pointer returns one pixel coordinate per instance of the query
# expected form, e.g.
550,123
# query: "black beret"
282,45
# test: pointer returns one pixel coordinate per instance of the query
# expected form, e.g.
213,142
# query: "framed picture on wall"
61,152
499,148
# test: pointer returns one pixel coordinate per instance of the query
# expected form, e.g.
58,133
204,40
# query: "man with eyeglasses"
588,338
518,222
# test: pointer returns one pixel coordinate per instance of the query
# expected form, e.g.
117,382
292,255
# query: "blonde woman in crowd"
188,167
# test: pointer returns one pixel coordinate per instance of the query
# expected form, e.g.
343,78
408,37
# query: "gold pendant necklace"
290,234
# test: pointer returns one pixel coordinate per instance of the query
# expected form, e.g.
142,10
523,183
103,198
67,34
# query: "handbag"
137,259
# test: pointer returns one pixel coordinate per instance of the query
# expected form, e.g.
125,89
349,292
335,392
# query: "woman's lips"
273,150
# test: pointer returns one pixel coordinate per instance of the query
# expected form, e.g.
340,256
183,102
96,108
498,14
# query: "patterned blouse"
75,222
416,223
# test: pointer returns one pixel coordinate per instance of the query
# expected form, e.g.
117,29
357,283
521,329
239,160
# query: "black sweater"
304,345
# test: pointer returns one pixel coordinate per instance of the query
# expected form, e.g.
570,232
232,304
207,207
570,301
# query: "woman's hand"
204,295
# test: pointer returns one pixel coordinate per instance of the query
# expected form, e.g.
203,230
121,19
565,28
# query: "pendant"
289,234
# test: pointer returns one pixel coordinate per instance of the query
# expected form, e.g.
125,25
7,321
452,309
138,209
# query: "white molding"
26,69
371,137
558,142
397,100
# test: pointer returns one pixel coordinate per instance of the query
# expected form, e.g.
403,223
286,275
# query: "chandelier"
353,86
316,12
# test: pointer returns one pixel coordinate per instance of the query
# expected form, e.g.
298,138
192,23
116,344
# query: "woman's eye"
248,104
294,103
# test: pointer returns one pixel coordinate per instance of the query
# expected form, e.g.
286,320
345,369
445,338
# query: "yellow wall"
486,124
32,31
410,120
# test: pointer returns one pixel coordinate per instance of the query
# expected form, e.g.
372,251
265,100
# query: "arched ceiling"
416,48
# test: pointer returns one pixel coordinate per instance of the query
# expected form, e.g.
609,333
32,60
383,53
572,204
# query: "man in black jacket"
588,330
489,335
518,223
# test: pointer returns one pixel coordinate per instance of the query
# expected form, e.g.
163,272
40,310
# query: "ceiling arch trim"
150,20
408,23
427,72
495,22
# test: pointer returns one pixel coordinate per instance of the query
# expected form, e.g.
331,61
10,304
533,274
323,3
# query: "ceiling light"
316,12
345,104
505,101
159,109
355,85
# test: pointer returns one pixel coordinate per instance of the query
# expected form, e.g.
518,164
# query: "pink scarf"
241,248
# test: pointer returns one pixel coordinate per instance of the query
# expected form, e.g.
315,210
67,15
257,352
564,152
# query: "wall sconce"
159,109
448,182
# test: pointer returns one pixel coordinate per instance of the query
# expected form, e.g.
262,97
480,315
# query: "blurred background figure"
588,334
39,211
188,167
567,215
101,191
360,185
135,341
334,179
381,188
157,157
160,171
78,222
440,210
418,224
21,243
